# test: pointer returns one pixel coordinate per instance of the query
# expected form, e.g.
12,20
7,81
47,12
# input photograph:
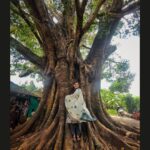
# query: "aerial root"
46,133
97,143
30,142
51,142
53,112
105,144
68,143
116,140
51,100
59,142
38,139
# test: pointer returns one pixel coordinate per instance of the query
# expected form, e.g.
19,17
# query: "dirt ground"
129,121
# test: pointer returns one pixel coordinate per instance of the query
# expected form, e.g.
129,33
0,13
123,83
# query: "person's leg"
72,128
84,130
78,131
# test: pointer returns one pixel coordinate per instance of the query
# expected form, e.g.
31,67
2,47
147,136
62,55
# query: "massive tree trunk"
47,129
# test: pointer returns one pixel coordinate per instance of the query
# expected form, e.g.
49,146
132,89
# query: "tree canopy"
118,74
23,25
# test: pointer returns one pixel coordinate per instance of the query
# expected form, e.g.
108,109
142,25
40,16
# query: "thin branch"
86,47
130,7
38,9
29,71
25,73
54,11
93,16
26,52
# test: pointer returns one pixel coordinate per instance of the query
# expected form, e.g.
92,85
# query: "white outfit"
76,108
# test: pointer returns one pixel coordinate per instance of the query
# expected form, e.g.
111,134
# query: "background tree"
118,74
112,100
126,100
58,30
132,103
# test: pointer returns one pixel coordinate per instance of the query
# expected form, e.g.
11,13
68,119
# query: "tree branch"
29,71
109,51
45,24
86,47
80,8
79,16
38,9
99,46
100,43
83,5
93,16
26,52
132,6
68,16
25,73
22,14
80,11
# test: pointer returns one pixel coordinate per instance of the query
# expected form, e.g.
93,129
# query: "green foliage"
137,102
21,31
19,65
30,87
112,100
129,25
112,112
122,84
132,103
118,74
122,66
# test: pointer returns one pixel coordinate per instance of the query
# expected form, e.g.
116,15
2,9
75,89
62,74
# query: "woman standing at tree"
77,111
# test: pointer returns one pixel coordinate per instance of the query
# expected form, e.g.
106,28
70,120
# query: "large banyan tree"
61,28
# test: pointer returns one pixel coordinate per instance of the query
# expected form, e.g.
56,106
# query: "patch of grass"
112,112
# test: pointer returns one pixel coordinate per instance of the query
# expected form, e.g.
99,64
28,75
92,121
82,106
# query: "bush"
132,103
111,100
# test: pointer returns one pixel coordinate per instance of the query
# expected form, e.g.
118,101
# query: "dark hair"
72,88
75,81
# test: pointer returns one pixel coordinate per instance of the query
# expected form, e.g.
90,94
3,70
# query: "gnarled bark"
47,128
